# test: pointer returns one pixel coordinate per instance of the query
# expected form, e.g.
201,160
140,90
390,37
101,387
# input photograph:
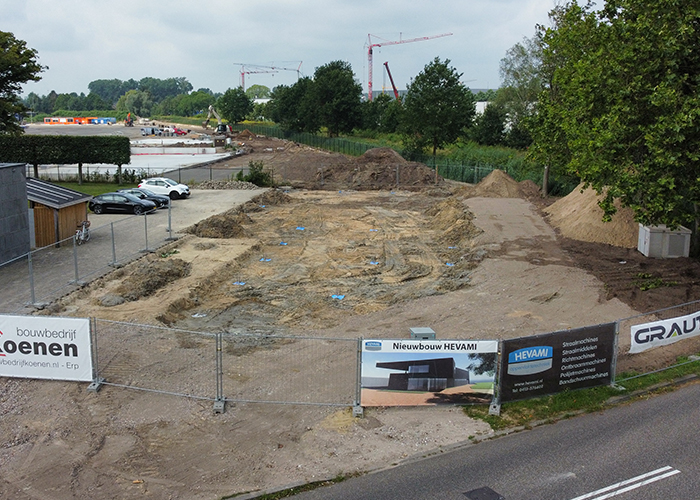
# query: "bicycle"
82,234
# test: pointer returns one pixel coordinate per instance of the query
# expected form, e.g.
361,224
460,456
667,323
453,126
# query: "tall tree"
437,107
624,98
293,107
258,92
234,105
337,97
18,65
489,127
136,102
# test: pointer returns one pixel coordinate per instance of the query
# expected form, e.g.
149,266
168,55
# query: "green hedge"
61,149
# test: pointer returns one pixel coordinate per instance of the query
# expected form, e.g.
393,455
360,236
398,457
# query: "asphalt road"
646,450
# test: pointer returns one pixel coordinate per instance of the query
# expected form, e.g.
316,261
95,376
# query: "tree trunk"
545,181
119,175
80,174
695,237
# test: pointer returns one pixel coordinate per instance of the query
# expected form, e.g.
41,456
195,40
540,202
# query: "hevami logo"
373,345
1,353
530,360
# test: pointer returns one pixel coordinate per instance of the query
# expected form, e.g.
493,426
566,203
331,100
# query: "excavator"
220,127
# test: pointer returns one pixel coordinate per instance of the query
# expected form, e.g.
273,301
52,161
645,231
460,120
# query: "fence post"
495,406
31,278
220,401
357,410
75,260
97,381
170,226
615,348
145,231
114,246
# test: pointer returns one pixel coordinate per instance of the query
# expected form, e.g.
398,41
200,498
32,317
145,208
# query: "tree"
258,92
293,107
234,105
624,102
337,97
489,127
136,102
521,73
381,114
18,65
437,107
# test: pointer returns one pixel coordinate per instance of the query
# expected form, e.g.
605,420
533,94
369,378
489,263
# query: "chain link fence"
47,273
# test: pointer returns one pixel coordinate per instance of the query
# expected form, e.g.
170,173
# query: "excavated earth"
342,251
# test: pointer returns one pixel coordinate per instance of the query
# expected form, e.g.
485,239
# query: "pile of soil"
497,184
226,225
245,134
151,275
378,169
454,221
226,185
578,216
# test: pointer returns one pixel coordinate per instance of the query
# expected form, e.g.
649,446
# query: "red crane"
396,92
395,42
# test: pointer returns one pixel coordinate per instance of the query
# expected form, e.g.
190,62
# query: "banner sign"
427,372
45,347
664,332
553,362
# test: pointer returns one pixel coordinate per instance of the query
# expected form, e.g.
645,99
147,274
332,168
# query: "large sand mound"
497,184
578,216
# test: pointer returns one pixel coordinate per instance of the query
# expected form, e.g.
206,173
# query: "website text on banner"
664,332
45,347
554,362
427,372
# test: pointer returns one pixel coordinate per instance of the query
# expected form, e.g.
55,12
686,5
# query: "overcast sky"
205,41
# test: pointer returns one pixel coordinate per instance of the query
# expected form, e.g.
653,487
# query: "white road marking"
633,483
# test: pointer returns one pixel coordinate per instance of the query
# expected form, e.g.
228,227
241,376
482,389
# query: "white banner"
664,332
45,347
441,346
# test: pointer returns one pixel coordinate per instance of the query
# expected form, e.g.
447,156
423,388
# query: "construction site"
342,248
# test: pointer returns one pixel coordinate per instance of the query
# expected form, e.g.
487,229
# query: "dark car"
146,194
120,203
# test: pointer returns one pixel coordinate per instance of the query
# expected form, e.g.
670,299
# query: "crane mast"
394,42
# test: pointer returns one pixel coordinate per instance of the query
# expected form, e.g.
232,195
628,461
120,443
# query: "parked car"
146,131
120,203
165,186
160,200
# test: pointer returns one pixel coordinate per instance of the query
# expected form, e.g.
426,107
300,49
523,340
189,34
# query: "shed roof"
52,195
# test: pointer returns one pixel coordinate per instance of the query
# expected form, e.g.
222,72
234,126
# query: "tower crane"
247,69
387,42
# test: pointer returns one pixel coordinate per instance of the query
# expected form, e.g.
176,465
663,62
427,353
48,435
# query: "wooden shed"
57,211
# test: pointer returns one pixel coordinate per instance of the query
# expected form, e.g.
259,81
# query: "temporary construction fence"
226,367
249,368
46,273
223,367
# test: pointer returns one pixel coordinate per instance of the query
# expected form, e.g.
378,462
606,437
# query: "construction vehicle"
221,129
129,122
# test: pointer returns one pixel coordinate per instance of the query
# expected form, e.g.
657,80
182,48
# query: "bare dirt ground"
471,262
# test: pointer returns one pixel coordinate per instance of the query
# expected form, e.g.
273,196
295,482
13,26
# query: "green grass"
94,188
483,385
569,403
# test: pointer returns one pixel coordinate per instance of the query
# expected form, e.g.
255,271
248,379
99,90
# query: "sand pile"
454,221
578,216
497,184
245,134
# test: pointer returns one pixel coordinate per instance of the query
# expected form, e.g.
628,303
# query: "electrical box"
422,333
663,243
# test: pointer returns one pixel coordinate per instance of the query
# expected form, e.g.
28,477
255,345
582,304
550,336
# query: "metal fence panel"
289,369
625,325
158,359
